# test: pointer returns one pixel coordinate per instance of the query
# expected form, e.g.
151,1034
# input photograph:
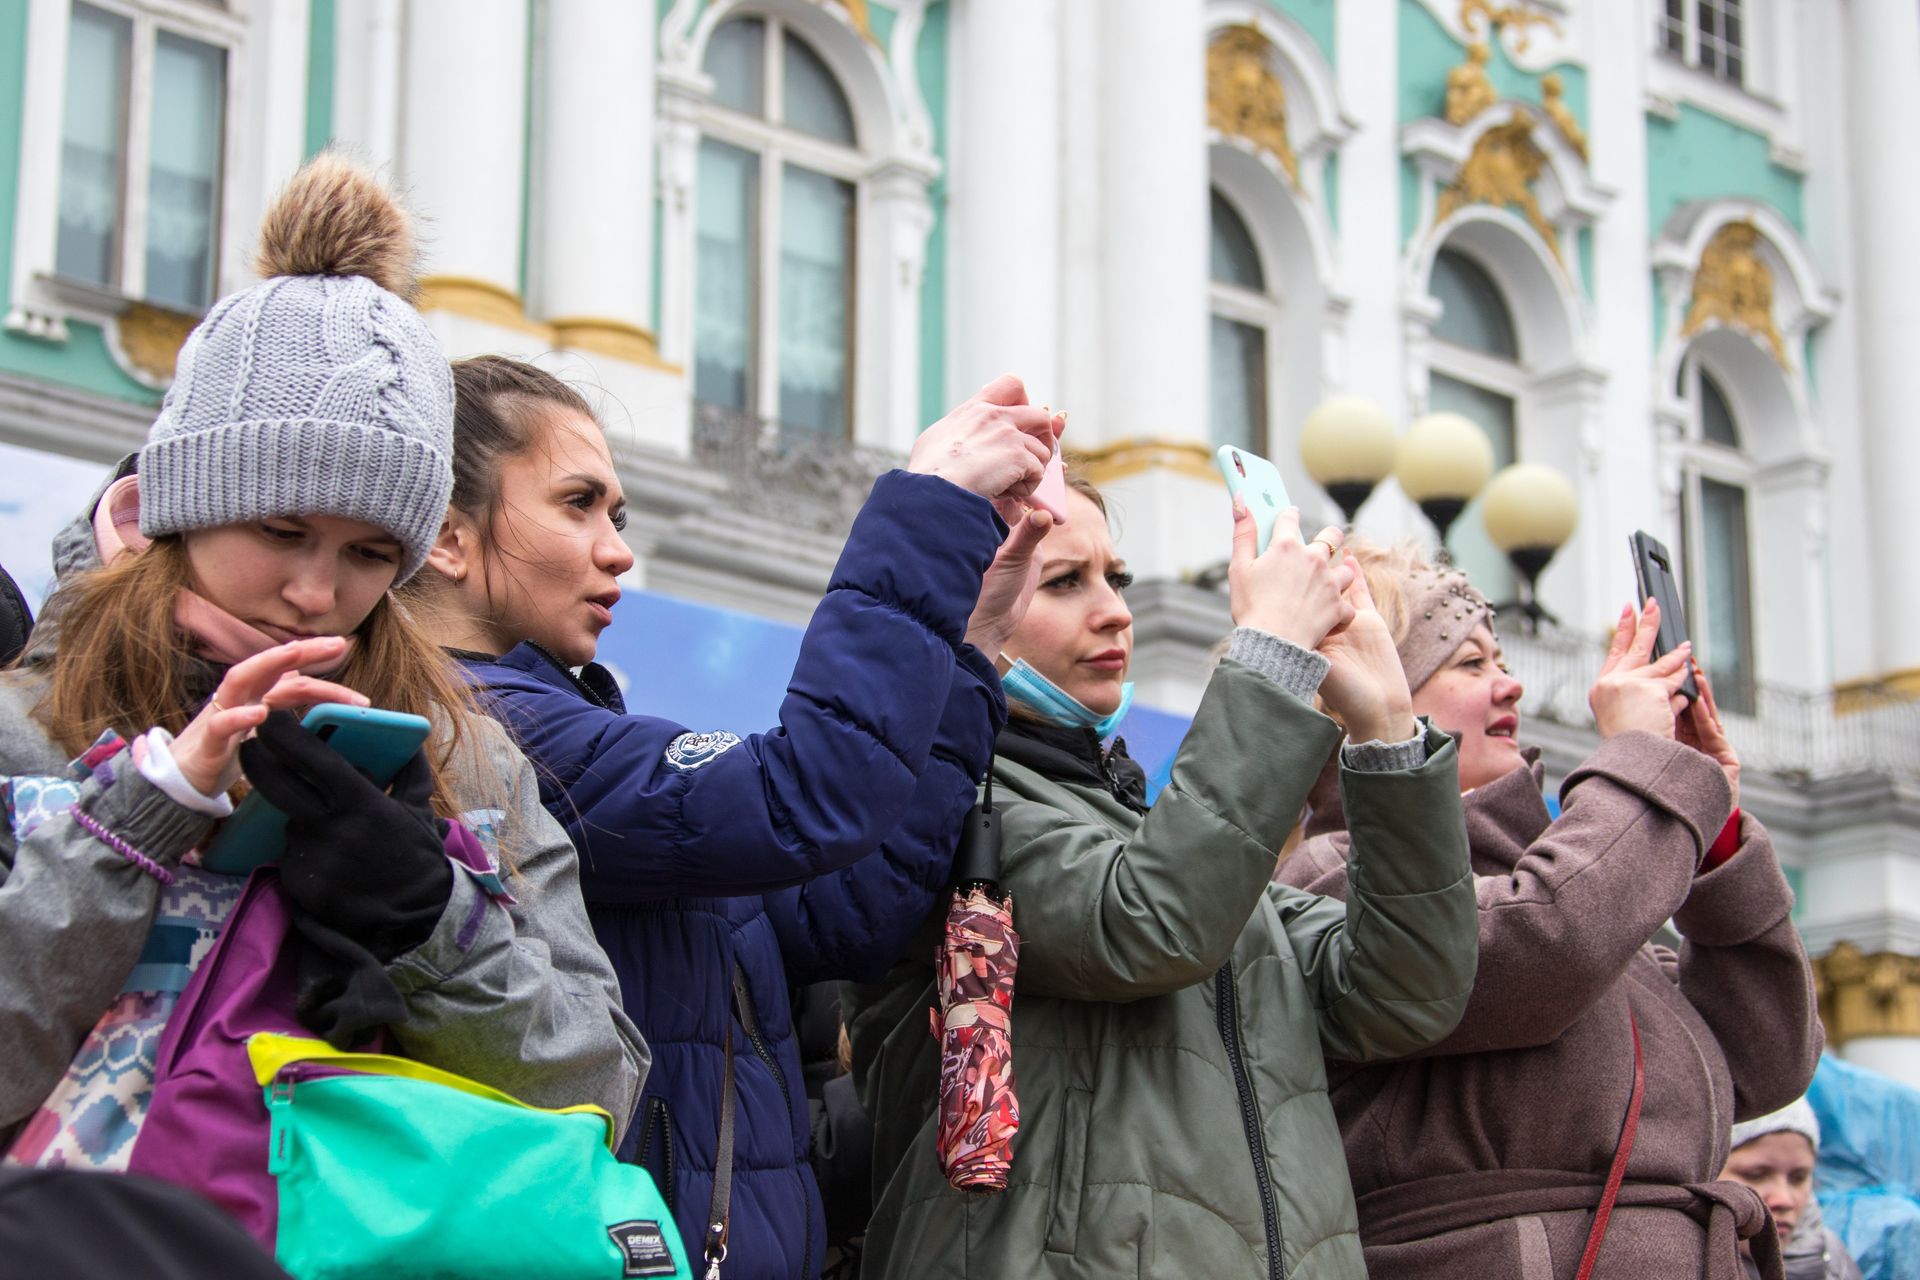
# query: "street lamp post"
1444,461
1348,445
1530,512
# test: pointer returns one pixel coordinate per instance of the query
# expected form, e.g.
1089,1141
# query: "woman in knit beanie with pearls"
1489,1153
240,571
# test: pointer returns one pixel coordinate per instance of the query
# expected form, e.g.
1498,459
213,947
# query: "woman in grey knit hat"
1774,1154
1585,1050
242,570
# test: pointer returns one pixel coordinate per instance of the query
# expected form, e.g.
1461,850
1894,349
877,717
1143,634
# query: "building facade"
1660,246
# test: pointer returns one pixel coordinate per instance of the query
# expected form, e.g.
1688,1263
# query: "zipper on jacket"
1225,1012
659,1112
743,999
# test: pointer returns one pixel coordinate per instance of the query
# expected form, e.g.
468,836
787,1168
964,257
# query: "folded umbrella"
973,984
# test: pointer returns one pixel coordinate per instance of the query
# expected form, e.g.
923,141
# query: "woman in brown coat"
1488,1154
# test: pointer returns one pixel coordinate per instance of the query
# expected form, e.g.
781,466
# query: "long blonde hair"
119,662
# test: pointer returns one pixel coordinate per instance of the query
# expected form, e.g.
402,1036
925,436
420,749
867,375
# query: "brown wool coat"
1482,1157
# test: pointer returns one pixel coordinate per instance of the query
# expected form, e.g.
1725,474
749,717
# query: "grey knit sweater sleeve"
1375,756
1298,671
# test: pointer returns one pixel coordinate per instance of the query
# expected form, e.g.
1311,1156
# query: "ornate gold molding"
1733,286
484,300
151,338
1851,696
1521,17
1501,171
1469,92
1867,995
1245,97
1553,101
609,338
1131,457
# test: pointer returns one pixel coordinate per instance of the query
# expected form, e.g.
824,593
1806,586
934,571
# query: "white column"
1006,152
593,190
1371,245
462,137
1617,461
1153,227
1884,95
366,78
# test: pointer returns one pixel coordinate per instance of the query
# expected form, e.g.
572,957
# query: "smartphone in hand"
1257,483
1653,570
377,742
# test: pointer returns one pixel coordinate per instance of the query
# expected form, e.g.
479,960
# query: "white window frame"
1262,309
1769,96
777,146
42,301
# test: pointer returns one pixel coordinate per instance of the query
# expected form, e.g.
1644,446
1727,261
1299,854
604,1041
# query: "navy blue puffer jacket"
813,851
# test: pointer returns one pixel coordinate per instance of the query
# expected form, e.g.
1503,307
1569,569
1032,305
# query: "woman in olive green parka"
1172,1007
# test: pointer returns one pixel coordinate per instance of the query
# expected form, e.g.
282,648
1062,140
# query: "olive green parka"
1172,1008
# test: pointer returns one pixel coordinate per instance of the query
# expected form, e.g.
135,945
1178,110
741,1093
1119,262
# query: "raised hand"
269,681
1366,685
1700,728
1008,586
994,444
1634,690
1291,590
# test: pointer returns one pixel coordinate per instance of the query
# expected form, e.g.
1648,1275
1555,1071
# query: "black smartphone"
1653,569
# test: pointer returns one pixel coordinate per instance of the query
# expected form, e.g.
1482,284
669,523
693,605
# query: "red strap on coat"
1618,1172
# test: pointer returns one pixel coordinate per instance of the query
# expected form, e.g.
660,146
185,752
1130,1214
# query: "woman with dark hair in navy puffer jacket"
717,869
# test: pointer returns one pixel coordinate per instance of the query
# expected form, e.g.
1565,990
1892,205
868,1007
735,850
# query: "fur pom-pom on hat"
335,219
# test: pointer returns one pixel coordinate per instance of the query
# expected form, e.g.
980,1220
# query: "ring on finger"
214,702
1332,550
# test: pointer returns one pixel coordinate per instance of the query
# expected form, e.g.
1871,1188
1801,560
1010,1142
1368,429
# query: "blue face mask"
1054,705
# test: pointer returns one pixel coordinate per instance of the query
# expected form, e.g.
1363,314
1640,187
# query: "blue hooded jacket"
717,869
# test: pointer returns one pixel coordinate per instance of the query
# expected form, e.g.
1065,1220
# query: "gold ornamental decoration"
1734,287
1469,91
1501,172
152,337
1521,17
1553,101
1245,98
1867,995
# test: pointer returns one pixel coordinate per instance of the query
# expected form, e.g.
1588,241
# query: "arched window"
1718,540
774,264
1476,372
1244,312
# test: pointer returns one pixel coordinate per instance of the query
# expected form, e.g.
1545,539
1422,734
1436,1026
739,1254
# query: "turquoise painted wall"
82,361
1427,53
1317,17
320,38
931,65
1700,156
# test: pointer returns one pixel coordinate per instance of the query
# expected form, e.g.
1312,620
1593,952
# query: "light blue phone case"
377,742
1256,482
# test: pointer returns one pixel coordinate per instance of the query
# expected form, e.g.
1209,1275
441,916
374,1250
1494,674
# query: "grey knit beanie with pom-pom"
318,391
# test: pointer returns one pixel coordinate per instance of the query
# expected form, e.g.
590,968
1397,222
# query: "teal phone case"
377,742
1256,482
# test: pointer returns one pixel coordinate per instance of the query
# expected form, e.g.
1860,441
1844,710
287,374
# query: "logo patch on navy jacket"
690,751
643,1248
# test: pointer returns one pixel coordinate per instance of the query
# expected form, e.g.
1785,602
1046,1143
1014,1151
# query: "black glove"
366,864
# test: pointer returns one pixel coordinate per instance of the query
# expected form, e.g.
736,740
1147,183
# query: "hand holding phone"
1257,484
376,742
1653,571
1051,496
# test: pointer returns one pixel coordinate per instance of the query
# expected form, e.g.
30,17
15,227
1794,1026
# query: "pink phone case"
1051,496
